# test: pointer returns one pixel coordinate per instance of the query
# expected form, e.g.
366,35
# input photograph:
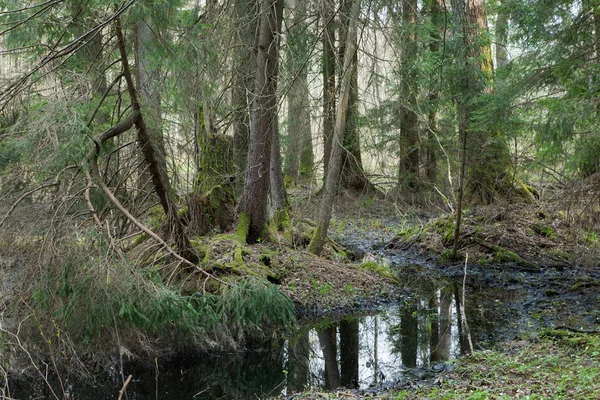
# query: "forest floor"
550,252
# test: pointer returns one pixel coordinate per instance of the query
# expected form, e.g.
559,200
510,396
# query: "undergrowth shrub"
89,297
252,304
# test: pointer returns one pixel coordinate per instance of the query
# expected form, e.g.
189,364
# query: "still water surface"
426,330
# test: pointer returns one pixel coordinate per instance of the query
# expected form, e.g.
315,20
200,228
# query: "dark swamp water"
415,337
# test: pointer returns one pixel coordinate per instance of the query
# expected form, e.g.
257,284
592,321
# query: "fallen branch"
122,391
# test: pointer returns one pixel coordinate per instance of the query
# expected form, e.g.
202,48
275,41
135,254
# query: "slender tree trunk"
435,13
148,79
256,185
329,61
409,333
246,15
298,362
153,161
299,158
353,176
409,130
501,37
334,171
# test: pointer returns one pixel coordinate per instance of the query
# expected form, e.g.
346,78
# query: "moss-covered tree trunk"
253,203
409,129
490,174
299,158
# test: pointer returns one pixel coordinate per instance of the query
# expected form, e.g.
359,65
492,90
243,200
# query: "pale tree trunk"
299,158
409,130
501,37
332,180
253,203
246,15
329,61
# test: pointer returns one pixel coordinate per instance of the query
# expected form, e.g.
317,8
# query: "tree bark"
408,176
488,157
328,342
435,13
256,185
278,195
334,171
299,158
246,15
329,61
353,176
501,37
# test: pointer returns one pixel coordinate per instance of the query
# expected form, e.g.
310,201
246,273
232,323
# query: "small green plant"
590,237
325,289
350,288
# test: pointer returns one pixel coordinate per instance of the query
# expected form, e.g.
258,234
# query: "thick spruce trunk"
246,15
253,203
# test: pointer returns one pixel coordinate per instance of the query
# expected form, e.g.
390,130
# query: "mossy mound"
523,234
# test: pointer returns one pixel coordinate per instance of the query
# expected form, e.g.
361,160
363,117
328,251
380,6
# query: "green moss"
443,227
316,236
551,292
242,228
583,282
200,249
411,233
590,238
288,182
447,256
379,269
544,230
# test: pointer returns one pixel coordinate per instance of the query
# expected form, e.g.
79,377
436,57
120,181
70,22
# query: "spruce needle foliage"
88,298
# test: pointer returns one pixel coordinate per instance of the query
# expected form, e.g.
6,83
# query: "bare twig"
124,388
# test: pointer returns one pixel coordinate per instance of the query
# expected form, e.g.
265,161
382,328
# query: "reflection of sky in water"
418,334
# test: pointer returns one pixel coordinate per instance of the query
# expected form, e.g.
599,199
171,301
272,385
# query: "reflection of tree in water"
243,375
424,333
298,363
328,342
349,342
